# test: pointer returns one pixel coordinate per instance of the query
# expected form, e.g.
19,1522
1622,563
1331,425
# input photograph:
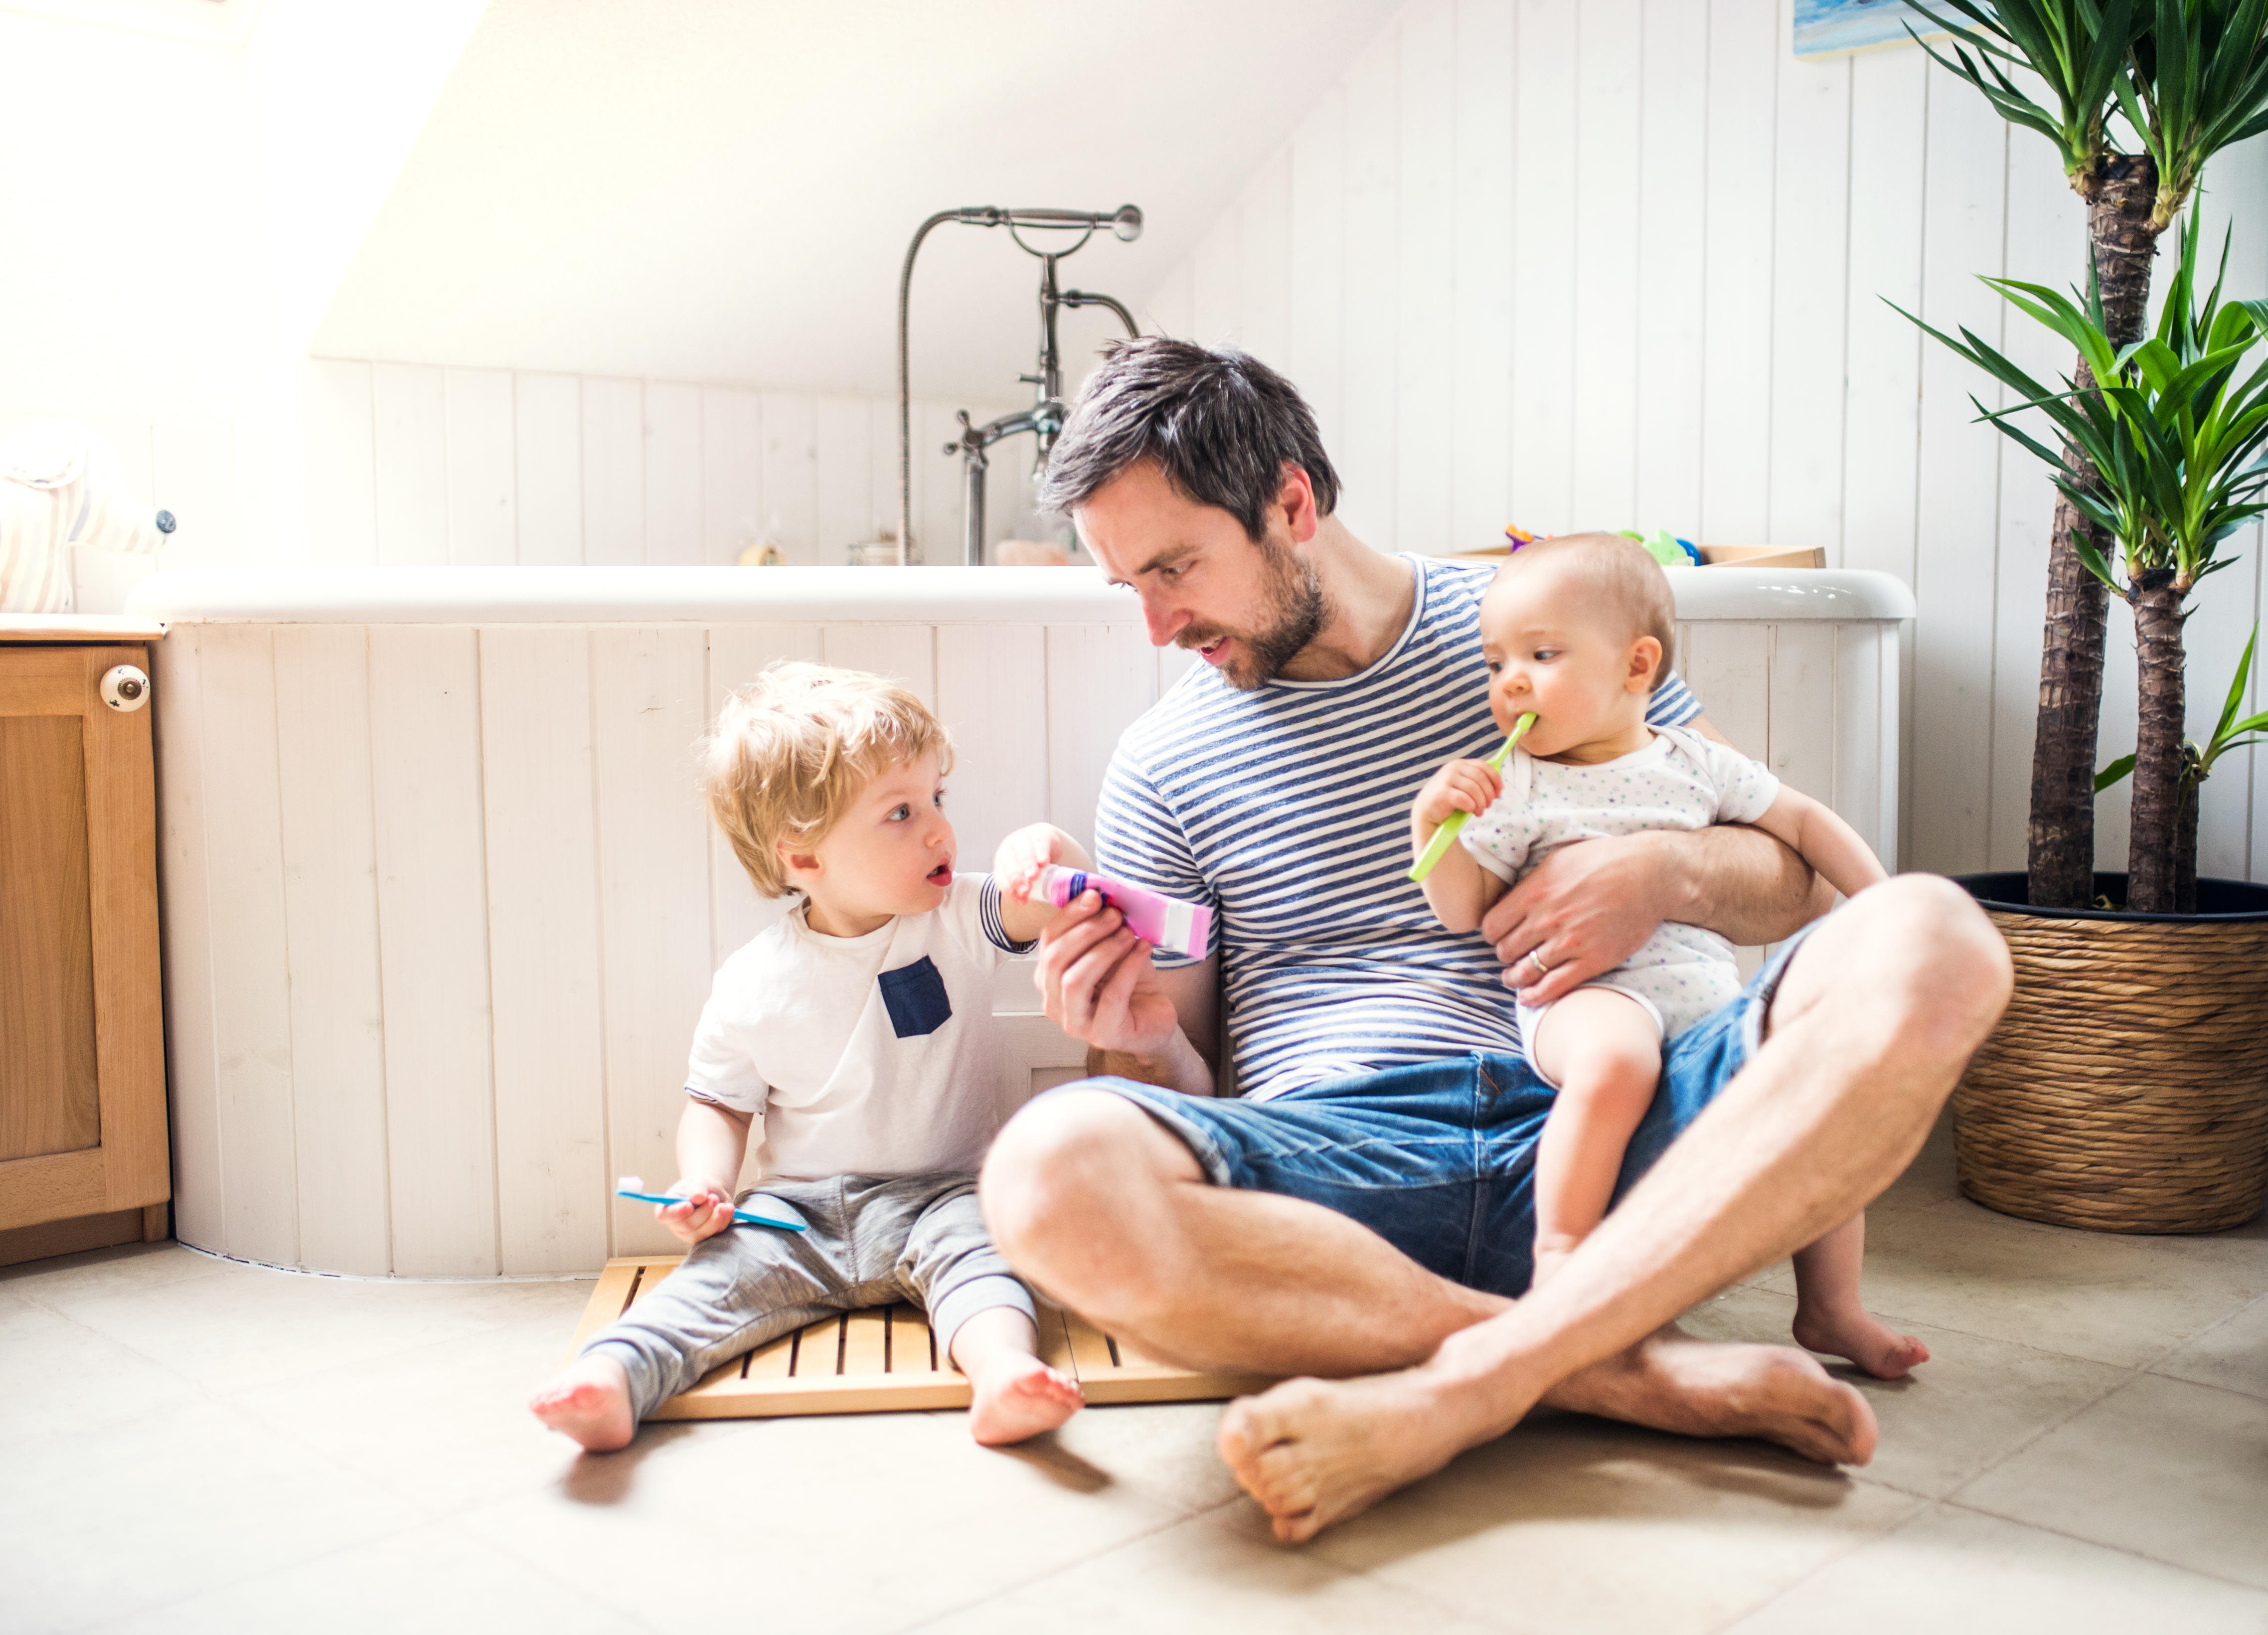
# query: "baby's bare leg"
1604,1051
1017,1396
1829,1316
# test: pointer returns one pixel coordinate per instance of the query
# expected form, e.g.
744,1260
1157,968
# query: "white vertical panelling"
732,473
1811,189
1864,680
672,426
1728,667
481,484
330,906
1801,735
1213,285
410,445
906,653
937,488
992,694
252,986
1366,454
844,475
2046,239
185,882
1480,386
544,973
736,653
792,479
1889,91
1672,216
1544,268
649,690
440,1112
1424,288
1609,113
1319,268
1264,274
1954,575
883,470
1099,677
341,500
614,472
1746,49
548,445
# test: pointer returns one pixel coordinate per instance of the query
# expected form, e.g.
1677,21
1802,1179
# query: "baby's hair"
1619,574
792,749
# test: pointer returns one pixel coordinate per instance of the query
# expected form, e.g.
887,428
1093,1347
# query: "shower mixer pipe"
1045,418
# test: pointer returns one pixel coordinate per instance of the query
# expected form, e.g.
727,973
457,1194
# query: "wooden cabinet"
83,1148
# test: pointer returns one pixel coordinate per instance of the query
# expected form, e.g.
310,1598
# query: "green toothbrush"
1446,836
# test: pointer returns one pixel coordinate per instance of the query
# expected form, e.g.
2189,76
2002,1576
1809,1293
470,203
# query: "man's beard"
1297,611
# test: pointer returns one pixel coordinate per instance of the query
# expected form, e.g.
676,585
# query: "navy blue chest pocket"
914,997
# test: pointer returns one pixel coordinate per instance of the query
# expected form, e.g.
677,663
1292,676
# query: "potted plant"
2189,77
2127,1087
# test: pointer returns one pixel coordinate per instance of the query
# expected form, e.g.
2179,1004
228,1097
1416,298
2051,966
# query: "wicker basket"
2126,1089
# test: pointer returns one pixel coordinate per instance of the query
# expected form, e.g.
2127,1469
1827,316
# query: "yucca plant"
2167,433
2189,77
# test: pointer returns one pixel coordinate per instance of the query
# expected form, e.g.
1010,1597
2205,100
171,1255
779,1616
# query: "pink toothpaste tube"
1178,927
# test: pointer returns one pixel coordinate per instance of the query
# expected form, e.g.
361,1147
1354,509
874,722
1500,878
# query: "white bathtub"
440,906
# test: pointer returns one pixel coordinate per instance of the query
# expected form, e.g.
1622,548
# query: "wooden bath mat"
884,1360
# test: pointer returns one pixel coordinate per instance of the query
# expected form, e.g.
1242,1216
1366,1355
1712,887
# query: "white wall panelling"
442,906
415,465
1624,263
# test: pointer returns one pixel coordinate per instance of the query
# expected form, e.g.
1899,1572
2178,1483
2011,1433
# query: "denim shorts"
1438,1159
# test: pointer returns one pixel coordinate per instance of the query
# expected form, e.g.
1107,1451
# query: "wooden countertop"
77,627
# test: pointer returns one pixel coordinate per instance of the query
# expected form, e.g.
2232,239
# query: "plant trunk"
2154,854
2061,842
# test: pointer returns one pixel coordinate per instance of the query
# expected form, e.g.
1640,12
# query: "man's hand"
706,1211
1460,786
1580,913
1096,985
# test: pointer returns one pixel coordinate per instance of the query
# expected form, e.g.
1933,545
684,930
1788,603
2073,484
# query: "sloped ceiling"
704,190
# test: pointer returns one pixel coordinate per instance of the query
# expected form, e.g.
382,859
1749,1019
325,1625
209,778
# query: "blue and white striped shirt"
1288,809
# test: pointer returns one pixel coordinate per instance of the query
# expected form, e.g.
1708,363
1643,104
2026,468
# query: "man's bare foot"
1857,1335
1017,1396
1315,1452
590,1400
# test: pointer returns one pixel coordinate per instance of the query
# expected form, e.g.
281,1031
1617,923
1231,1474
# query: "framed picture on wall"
1828,28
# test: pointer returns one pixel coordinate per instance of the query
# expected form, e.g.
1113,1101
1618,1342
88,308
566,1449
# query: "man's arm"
1587,908
1096,983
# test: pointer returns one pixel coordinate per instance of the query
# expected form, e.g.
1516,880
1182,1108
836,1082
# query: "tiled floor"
187,1444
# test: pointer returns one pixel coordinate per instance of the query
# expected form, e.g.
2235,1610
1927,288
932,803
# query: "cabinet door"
82,1057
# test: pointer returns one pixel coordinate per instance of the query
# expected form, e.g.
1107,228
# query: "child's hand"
1016,866
1459,786
705,1212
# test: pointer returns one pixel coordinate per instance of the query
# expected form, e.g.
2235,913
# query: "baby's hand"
1459,786
1016,866
705,1212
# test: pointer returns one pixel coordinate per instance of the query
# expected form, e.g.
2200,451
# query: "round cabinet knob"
125,688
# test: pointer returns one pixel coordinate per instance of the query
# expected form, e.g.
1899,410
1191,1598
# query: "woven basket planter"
2126,1089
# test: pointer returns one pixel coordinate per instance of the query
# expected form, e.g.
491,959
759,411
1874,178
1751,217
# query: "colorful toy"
1445,836
633,1187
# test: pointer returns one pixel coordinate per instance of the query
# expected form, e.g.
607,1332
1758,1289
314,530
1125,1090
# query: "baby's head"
1580,629
830,782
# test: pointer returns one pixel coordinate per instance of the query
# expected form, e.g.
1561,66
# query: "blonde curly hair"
792,749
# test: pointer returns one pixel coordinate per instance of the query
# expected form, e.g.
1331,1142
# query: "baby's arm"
713,1139
1459,890
1015,868
1823,840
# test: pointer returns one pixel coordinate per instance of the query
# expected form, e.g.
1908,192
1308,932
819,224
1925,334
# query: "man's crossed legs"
1094,1199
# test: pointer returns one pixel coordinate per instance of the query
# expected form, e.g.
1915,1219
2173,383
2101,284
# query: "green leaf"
2112,773
2236,686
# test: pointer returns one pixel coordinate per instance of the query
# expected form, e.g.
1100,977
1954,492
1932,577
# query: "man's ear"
1297,496
1645,663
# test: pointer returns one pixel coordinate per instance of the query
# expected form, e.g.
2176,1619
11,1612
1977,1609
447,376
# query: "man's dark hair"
1219,425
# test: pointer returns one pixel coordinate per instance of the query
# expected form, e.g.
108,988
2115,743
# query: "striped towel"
61,486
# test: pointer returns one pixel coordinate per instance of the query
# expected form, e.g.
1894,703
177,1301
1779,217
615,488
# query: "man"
1362,1212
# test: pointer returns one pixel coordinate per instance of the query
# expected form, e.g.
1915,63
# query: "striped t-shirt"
1286,809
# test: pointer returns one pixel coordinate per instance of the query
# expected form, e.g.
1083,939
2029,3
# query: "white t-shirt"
864,1056
1680,781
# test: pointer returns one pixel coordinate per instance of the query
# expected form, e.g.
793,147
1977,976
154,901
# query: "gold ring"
1536,957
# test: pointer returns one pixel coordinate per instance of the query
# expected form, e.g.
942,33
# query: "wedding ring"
1535,958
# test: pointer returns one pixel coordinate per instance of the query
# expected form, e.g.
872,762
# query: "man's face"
1247,609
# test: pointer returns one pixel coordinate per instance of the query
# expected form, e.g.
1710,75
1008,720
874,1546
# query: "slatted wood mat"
884,1360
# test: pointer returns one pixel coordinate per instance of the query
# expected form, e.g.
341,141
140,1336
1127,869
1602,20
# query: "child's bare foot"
1857,1335
589,1401
1017,1397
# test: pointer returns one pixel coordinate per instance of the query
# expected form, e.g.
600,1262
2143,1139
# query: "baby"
859,1030
1579,631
